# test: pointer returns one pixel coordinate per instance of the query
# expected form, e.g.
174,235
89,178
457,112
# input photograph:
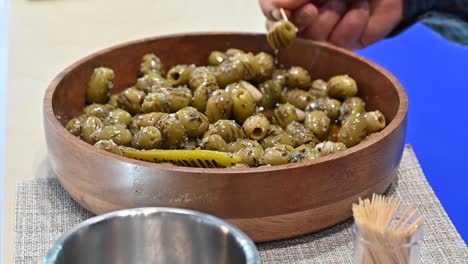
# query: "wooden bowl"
267,203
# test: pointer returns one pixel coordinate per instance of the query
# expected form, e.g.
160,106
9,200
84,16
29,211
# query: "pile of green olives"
239,102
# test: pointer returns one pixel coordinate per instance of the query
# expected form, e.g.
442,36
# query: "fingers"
350,28
385,16
304,16
329,15
289,4
271,10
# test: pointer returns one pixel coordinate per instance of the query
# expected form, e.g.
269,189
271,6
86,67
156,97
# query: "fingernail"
276,14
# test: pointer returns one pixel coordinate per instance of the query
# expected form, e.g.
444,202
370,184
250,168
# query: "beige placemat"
44,211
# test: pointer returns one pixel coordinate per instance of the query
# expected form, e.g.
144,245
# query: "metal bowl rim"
245,242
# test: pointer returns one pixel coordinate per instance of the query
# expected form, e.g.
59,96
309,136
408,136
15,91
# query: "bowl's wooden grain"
267,203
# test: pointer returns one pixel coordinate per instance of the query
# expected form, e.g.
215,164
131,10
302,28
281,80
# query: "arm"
448,18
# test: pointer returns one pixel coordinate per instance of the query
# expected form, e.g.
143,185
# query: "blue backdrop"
434,73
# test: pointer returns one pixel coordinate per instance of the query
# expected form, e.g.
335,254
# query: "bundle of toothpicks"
386,231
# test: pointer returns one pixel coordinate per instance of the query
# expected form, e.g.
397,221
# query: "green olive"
375,121
250,155
271,91
319,88
147,138
266,66
100,85
318,122
74,125
98,110
194,122
216,58
329,106
256,127
156,102
243,143
219,106
350,106
285,114
118,116
300,133
88,127
113,100
108,145
353,130
201,75
144,120
243,105
275,130
280,76
214,142
251,65
281,138
341,87
151,63
277,155
131,99
304,152
151,82
231,52
180,74
179,97
298,77
297,97
173,132
228,129
202,94
230,71
119,134
327,148
282,35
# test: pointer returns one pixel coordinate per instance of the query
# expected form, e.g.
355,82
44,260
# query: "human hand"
352,24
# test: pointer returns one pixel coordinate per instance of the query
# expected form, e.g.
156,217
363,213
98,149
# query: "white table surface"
45,36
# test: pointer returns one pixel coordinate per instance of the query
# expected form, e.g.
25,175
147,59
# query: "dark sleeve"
448,18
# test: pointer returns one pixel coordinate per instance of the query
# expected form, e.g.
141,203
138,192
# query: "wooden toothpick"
283,14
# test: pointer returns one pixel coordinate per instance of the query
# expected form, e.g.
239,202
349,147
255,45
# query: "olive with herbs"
180,74
216,58
375,121
341,87
250,155
194,122
117,133
151,82
218,106
131,99
147,138
277,155
243,105
100,85
266,66
300,133
88,127
298,77
118,116
318,122
151,63
98,110
108,145
353,130
172,131
297,97
256,127
214,142
271,91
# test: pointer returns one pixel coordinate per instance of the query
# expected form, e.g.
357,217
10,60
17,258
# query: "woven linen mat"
44,211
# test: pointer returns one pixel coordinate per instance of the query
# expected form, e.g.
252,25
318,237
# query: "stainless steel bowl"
153,235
